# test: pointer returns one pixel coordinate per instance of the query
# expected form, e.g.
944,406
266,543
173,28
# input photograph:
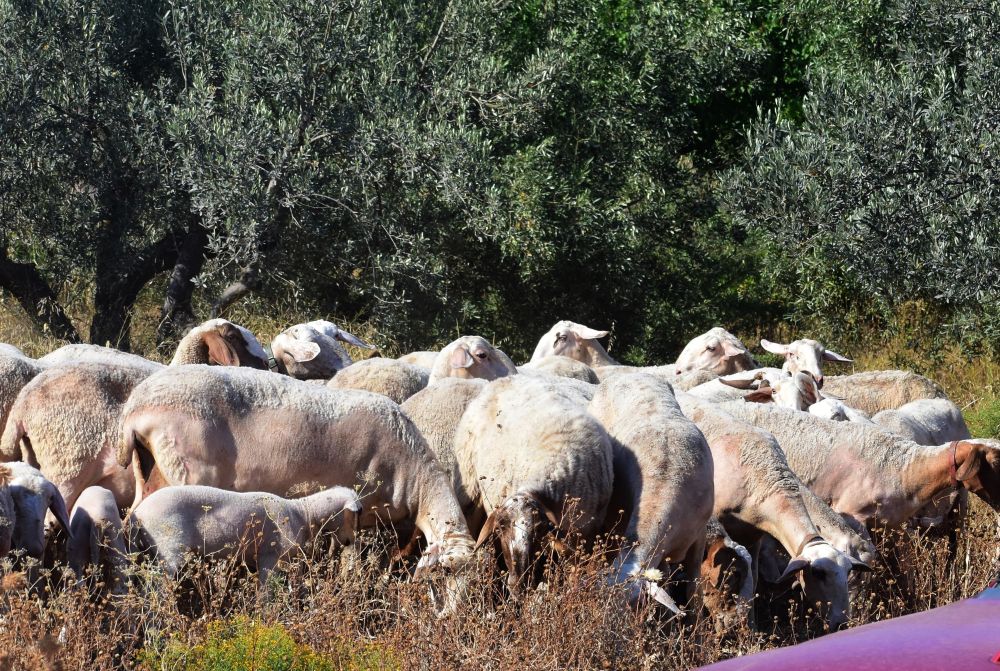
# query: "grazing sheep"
877,390
33,495
804,355
718,351
389,377
757,493
221,342
865,473
16,370
313,351
65,422
575,341
534,461
663,491
424,359
259,528
96,540
437,410
563,366
471,357
248,430
728,579
7,512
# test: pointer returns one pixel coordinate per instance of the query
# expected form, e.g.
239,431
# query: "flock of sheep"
712,467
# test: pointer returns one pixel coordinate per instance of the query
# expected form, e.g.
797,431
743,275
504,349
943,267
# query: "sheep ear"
971,463
830,355
461,358
773,347
762,395
660,595
587,333
301,350
220,351
344,336
738,383
730,349
794,566
58,507
487,530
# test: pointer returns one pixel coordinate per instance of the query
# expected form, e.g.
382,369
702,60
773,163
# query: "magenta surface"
962,636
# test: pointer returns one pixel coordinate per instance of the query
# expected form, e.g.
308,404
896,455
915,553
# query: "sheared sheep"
718,351
388,377
249,430
16,370
424,359
259,528
33,495
471,357
533,460
575,341
97,543
804,355
877,390
563,366
663,487
313,351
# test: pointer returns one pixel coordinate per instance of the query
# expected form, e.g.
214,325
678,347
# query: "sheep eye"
560,337
711,348
482,355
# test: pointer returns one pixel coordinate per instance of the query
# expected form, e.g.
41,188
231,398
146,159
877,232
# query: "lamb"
16,370
718,351
97,542
877,390
248,430
865,473
575,341
32,495
471,357
562,366
436,412
65,422
534,461
388,377
756,493
663,488
258,528
313,351
424,359
804,355
728,584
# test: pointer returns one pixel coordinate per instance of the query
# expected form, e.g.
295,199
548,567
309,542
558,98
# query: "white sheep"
836,410
718,351
65,421
250,430
33,495
663,482
575,341
388,377
16,370
877,390
97,543
471,357
562,366
534,461
804,355
313,350
734,386
259,528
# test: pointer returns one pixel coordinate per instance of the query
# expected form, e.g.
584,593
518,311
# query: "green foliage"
984,419
246,645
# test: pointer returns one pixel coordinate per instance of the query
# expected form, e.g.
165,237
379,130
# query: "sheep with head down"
313,350
471,357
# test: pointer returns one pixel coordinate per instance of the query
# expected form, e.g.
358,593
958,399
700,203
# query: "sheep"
575,341
313,350
734,385
259,528
96,540
663,488
16,370
877,390
388,377
804,355
757,493
250,430
533,460
7,512
32,495
469,357
86,353
10,350
728,579
562,366
836,410
718,351
424,359
865,473
436,412
65,422
681,382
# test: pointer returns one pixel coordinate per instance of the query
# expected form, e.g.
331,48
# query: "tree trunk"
177,314
36,297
